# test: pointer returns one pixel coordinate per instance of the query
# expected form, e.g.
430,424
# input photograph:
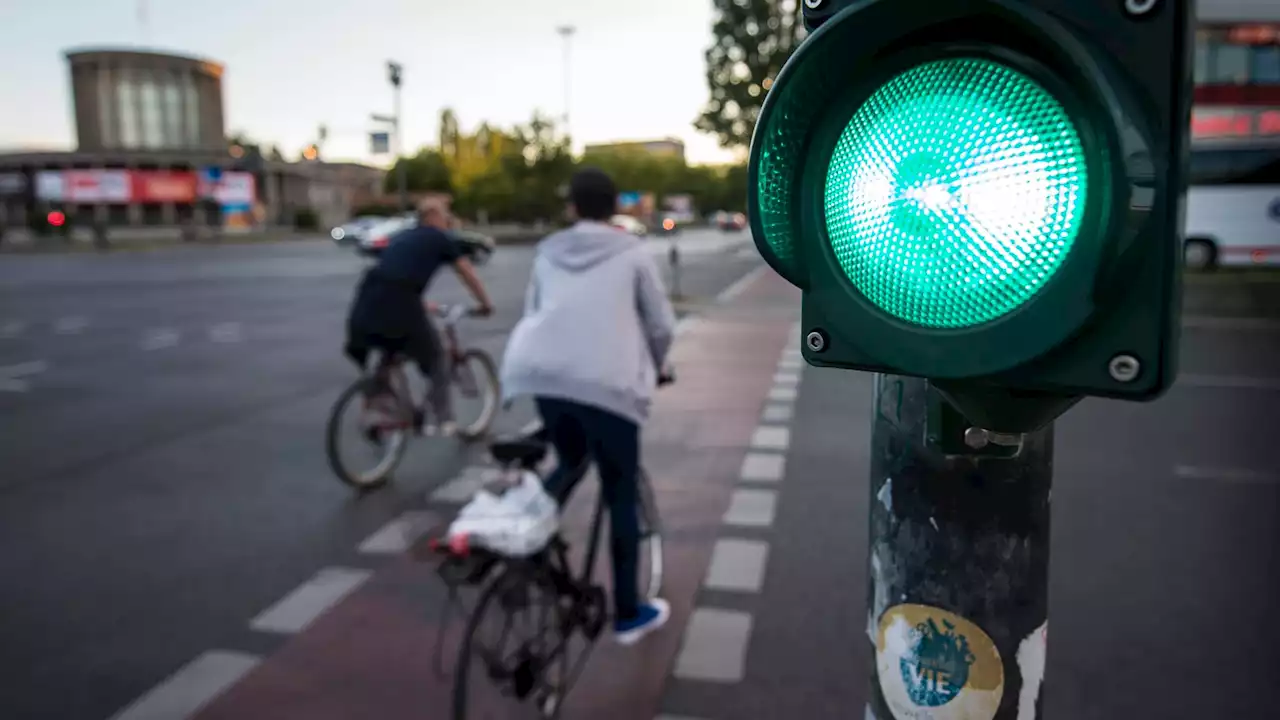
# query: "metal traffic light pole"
402,179
958,560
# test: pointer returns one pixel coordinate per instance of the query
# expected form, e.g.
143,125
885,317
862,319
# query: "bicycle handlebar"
451,314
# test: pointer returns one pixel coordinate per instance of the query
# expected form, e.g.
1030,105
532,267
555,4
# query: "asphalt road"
163,481
163,475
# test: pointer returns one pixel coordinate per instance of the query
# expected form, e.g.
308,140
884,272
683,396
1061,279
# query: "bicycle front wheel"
376,443
475,393
651,555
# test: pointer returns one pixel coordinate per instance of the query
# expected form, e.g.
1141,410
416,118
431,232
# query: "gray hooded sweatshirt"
597,324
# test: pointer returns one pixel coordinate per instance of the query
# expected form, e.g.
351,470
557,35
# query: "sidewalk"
369,654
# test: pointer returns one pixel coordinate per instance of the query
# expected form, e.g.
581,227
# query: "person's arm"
467,274
656,313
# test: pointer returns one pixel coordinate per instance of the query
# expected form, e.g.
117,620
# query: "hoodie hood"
585,245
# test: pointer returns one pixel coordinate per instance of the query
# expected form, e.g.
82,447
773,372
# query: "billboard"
84,186
635,204
163,186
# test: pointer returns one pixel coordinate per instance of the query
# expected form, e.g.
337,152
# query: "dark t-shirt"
390,296
415,254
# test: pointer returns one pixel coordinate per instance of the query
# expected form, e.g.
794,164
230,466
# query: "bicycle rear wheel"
387,436
651,558
530,668
475,393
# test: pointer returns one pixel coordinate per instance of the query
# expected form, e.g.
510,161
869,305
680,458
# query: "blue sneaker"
652,616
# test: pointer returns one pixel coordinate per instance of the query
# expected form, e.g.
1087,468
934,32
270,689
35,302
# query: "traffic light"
986,193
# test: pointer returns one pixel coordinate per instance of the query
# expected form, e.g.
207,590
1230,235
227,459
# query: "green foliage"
424,172
753,39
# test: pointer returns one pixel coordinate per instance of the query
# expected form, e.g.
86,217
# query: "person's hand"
433,308
482,310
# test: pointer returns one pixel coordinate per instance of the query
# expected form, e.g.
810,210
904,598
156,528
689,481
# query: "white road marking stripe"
70,325
310,600
462,488
160,339
227,332
1224,474
791,363
12,329
192,687
741,284
763,467
782,393
785,378
715,646
1227,382
771,437
737,565
778,413
12,376
398,535
751,508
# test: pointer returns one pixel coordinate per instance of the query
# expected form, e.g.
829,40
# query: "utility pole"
394,75
566,32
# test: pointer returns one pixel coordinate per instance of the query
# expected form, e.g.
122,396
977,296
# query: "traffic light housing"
986,193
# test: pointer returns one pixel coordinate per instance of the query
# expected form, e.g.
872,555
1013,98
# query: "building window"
1266,65
1230,65
191,112
126,98
173,126
106,111
152,122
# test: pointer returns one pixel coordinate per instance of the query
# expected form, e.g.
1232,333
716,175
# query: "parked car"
350,232
376,237
629,224
730,222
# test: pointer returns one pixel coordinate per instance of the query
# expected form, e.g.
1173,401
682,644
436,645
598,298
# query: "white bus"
1233,205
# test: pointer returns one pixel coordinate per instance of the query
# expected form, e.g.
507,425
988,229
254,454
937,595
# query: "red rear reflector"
1258,255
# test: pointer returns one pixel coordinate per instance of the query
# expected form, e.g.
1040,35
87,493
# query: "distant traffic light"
57,219
983,191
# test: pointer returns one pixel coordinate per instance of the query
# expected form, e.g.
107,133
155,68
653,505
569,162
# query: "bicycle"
385,392
578,605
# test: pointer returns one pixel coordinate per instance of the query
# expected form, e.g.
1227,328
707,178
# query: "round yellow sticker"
935,665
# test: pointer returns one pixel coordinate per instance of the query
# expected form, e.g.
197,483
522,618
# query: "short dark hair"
593,194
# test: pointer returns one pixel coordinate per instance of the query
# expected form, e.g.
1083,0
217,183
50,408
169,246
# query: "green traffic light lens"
955,193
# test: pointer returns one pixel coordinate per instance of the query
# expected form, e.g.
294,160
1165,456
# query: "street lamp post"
566,32
394,75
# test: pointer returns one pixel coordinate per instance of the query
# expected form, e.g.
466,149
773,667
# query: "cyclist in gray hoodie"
596,329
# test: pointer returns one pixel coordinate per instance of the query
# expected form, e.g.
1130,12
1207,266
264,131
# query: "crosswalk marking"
227,332
71,325
160,339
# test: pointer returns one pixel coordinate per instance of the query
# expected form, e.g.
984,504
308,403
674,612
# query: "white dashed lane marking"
11,329
737,565
227,332
13,378
1224,474
398,535
302,606
160,339
763,467
771,437
191,688
715,646
782,394
751,508
70,325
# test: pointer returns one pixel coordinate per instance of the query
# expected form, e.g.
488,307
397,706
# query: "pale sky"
291,65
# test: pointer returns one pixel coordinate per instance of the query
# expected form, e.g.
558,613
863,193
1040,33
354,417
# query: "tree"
753,39
424,172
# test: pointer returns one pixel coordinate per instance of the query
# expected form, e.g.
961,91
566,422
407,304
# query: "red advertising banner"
163,186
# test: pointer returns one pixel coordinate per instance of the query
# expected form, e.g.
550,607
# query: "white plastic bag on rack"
518,523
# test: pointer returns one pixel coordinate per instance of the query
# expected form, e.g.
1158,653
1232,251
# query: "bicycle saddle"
525,452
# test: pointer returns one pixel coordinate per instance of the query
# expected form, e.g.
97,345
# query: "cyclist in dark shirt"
388,312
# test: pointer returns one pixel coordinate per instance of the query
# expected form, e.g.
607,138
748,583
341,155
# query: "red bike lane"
371,655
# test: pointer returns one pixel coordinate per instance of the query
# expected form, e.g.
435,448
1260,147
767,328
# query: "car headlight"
337,233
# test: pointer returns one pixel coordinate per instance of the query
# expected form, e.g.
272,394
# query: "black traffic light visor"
847,60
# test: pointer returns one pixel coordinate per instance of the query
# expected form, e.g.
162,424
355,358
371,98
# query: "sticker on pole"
935,665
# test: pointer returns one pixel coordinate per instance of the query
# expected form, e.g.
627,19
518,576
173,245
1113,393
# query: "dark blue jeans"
581,434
